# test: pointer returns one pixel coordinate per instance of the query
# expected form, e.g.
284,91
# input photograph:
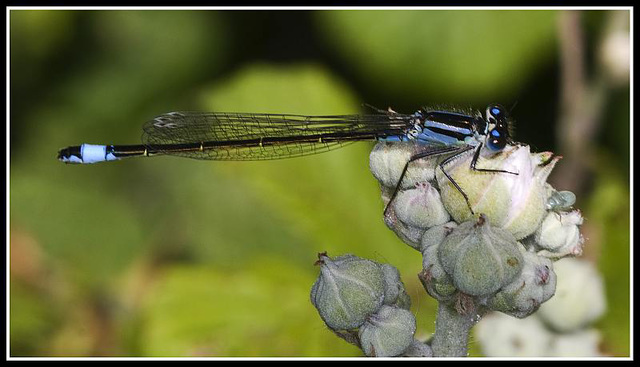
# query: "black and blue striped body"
238,136
443,128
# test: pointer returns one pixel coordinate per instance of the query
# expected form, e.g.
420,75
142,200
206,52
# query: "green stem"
451,338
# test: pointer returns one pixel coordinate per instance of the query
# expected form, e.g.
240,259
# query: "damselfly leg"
455,153
455,150
474,160
388,111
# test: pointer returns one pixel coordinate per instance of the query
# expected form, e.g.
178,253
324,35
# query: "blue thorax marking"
438,127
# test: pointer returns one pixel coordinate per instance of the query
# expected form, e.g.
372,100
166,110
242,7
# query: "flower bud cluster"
365,303
496,247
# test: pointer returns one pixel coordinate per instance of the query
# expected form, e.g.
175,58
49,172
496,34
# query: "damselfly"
256,136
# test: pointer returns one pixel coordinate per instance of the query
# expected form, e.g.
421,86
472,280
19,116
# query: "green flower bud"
387,160
434,236
480,258
579,298
408,234
514,202
559,234
387,333
535,284
394,292
433,277
418,349
347,291
420,207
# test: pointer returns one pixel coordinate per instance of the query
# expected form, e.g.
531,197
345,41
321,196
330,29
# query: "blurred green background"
176,257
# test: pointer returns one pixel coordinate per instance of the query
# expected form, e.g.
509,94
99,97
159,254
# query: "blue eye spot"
496,140
495,111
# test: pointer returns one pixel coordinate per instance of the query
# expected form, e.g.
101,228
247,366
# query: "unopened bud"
420,207
535,284
387,333
514,200
434,279
435,235
408,234
418,349
394,291
387,161
348,290
480,258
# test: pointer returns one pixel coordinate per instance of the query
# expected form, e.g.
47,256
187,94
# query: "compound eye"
496,113
496,140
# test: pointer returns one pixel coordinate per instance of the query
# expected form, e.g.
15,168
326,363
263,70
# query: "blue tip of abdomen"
86,154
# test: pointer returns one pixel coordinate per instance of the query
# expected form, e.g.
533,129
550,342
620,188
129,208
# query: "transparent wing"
252,136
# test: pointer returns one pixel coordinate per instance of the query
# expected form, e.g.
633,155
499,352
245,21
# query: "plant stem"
452,332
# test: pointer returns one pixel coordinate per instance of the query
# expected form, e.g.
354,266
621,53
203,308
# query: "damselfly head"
497,119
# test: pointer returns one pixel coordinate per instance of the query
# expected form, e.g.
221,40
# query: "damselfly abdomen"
254,136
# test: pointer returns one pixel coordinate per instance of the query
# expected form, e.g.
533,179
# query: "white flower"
583,343
615,56
516,202
559,234
579,298
501,335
